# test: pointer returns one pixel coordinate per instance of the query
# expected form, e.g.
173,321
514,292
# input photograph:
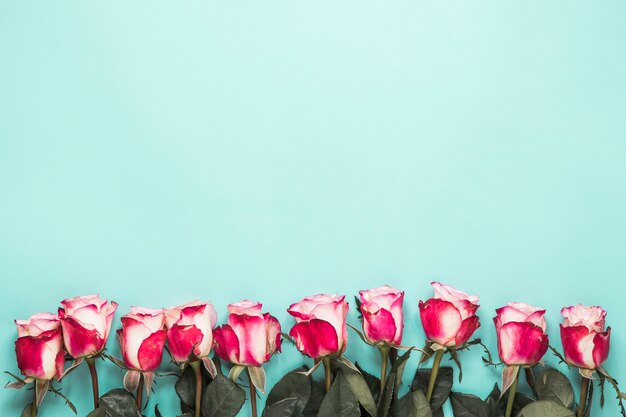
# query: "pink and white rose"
449,317
585,342
39,346
250,337
320,328
382,315
521,330
86,323
142,338
190,330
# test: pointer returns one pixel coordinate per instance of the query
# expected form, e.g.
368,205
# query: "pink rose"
190,330
522,338
250,337
142,338
449,318
585,342
320,328
39,346
382,315
86,323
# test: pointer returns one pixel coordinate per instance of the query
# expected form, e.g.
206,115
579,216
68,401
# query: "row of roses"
251,337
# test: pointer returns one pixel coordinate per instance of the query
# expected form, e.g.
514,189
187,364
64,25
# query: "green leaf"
359,387
418,406
222,398
545,409
373,382
315,399
497,405
283,408
552,385
185,388
120,403
443,385
292,385
26,412
466,405
340,400
98,412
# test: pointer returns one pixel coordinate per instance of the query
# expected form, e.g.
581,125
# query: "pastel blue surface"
161,152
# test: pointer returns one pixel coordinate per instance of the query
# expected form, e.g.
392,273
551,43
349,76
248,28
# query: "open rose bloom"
521,330
39,347
86,323
449,317
190,330
585,341
320,328
382,315
250,337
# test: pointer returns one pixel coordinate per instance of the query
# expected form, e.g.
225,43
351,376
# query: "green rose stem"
433,374
91,362
584,389
512,390
252,395
327,373
140,392
33,408
195,365
384,355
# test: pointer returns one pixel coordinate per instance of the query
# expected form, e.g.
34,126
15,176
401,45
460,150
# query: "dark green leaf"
466,405
545,409
418,406
443,385
315,399
98,412
293,385
359,387
119,403
185,388
372,382
286,407
222,398
340,401
497,405
552,385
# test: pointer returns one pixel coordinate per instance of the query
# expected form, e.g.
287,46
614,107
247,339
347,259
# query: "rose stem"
512,390
252,395
584,389
33,408
327,373
196,370
433,374
140,392
91,362
384,354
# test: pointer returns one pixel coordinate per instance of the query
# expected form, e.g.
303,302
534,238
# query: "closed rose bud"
142,338
320,328
585,342
521,330
382,315
86,323
250,337
449,318
39,346
190,330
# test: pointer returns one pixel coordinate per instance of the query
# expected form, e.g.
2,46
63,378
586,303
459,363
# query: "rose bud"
320,328
382,315
250,337
39,346
585,342
521,330
190,330
86,323
142,338
449,318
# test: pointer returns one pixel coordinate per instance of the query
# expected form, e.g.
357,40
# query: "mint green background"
156,152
